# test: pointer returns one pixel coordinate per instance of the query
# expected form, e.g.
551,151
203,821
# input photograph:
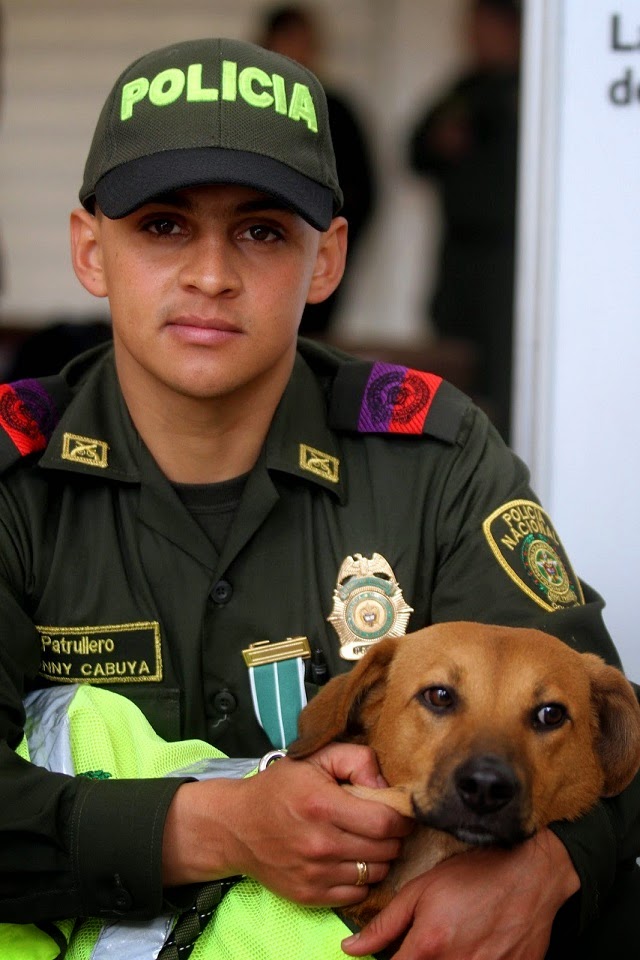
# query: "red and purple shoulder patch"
28,415
387,398
396,399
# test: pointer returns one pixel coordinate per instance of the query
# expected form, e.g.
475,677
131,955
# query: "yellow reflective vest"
88,731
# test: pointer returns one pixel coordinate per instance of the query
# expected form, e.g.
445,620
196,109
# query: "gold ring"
363,873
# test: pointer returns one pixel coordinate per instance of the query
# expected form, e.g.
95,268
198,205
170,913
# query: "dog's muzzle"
481,804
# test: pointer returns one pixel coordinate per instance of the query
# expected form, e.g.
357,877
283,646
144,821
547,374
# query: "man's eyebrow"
171,199
261,204
183,201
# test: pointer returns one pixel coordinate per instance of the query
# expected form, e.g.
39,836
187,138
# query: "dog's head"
493,732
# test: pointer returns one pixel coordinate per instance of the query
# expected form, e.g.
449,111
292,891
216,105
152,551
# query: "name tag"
118,653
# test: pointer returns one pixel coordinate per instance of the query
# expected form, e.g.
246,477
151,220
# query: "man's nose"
210,267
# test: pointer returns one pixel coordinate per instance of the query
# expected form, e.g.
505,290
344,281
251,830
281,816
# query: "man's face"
206,286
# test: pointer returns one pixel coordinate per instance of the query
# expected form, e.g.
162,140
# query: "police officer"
211,518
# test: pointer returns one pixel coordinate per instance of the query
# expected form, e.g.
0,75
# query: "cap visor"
128,186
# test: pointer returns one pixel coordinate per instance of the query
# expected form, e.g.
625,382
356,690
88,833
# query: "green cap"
214,111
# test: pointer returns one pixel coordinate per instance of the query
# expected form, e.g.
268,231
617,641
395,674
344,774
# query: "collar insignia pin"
86,450
322,464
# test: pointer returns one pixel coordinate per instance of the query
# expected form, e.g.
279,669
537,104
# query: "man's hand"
484,904
292,827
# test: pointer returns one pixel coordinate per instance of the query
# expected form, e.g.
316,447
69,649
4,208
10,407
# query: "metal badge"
367,605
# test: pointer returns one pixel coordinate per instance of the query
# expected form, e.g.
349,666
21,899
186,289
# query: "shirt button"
122,900
222,592
225,702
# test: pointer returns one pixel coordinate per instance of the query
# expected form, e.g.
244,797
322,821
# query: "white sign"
578,370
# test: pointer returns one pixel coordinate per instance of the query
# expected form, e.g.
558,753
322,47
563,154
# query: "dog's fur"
456,715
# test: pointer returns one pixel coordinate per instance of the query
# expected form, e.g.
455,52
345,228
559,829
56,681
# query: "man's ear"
329,268
86,251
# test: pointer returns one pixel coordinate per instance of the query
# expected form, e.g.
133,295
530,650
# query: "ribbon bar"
263,652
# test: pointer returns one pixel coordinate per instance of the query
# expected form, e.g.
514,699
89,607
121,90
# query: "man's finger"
350,763
386,927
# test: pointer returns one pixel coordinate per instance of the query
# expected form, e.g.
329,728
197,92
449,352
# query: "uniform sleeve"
486,574
69,846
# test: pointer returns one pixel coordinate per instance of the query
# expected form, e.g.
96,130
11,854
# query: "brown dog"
485,734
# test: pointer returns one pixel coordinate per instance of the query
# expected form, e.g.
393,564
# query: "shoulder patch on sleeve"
524,542
28,416
385,398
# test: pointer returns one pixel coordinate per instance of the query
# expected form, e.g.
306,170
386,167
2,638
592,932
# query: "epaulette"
29,413
375,397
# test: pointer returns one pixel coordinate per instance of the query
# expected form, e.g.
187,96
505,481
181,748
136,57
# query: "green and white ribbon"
279,695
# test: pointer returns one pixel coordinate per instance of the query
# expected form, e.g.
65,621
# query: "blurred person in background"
467,144
292,30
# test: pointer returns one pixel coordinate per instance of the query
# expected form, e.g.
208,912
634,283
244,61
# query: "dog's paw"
394,797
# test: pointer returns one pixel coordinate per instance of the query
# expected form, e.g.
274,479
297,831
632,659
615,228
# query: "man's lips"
205,330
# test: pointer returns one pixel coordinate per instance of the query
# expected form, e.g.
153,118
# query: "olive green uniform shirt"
105,577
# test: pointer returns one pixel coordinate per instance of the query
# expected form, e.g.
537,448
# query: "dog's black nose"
486,784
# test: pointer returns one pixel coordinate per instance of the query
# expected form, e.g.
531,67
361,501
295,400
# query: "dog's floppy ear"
618,716
335,713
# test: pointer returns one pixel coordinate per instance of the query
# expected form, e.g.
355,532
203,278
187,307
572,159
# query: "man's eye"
262,233
163,227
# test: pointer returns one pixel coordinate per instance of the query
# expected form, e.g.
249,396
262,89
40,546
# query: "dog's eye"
549,716
438,699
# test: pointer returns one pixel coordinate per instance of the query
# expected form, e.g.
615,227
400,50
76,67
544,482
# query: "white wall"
62,57
579,349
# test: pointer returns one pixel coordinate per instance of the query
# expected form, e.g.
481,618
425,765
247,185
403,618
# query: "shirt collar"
300,441
96,435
